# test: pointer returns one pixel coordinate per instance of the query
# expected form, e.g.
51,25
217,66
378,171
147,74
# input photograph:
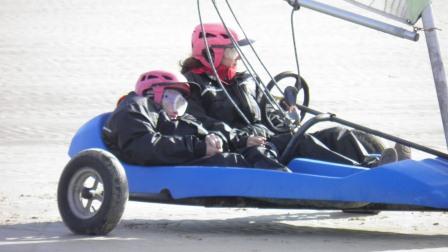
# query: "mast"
438,70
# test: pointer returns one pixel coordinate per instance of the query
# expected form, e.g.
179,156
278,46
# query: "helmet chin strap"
226,73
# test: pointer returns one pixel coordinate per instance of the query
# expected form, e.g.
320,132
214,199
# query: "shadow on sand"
260,233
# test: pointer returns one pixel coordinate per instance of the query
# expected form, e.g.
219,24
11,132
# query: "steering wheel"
271,115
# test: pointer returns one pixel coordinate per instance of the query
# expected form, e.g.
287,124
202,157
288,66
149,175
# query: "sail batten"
405,11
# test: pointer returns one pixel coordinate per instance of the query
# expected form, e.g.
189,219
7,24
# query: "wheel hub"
85,193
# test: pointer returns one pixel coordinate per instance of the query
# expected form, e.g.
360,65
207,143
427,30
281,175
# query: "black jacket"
211,104
139,132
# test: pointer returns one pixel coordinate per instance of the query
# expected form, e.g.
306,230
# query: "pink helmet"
158,81
217,39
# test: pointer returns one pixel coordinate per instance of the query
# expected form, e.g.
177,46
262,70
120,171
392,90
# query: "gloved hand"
213,145
294,114
255,141
290,104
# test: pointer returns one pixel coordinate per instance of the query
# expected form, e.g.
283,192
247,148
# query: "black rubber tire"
114,198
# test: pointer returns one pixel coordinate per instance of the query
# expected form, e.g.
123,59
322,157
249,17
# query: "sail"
406,11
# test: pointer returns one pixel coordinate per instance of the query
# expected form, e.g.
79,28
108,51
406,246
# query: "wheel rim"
85,193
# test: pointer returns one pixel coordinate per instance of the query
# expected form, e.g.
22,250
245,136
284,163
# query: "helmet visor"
174,103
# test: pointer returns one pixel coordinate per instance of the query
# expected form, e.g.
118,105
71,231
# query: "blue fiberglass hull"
407,183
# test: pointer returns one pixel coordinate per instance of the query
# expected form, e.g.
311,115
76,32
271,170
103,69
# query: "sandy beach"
63,62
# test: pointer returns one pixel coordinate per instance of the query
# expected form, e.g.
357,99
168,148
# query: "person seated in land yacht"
209,103
150,127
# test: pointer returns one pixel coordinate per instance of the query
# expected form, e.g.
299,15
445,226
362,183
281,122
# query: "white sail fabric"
406,11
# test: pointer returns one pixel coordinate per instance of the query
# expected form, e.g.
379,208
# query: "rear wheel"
92,192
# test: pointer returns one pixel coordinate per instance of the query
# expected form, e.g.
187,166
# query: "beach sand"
63,62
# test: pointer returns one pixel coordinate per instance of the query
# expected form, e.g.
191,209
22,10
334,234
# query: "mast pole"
438,70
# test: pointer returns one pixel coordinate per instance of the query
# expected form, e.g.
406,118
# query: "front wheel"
92,192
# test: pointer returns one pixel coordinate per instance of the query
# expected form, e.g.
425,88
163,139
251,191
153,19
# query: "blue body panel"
419,183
